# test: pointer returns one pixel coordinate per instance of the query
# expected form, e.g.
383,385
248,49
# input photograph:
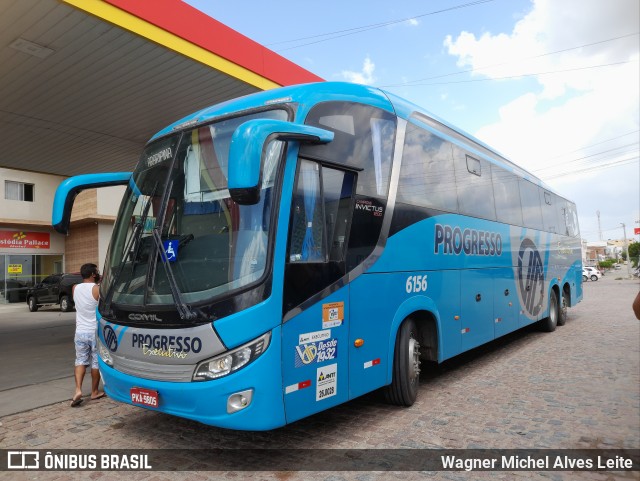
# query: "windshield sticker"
316,352
149,223
171,249
314,336
326,382
332,314
158,157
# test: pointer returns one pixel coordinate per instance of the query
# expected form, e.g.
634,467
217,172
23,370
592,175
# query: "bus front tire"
403,389
549,324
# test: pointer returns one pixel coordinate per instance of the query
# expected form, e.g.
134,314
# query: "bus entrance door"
315,357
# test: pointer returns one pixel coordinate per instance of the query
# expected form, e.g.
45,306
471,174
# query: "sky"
552,84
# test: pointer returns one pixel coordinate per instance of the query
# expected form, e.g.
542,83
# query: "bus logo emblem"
530,277
306,353
110,338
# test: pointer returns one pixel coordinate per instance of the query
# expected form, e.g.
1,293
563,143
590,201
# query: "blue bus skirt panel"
206,401
380,302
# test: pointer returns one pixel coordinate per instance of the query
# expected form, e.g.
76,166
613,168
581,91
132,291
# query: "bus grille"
157,372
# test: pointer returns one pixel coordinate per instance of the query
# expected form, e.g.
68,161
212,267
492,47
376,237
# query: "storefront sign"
14,269
24,240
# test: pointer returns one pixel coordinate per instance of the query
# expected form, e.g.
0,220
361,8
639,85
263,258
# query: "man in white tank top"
85,297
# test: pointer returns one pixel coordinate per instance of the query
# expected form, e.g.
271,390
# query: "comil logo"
530,277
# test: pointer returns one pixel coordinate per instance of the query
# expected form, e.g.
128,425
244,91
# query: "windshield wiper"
131,250
116,276
184,311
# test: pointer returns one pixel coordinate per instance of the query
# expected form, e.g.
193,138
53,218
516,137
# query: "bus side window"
321,213
572,220
321,218
530,198
549,214
426,175
338,192
475,189
507,195
307,242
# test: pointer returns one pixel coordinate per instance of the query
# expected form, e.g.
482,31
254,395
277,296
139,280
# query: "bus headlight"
104,354
231,361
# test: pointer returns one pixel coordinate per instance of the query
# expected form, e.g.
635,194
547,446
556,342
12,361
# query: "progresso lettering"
167,343
471,242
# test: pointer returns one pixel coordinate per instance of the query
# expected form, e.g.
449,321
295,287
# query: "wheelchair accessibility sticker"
171,250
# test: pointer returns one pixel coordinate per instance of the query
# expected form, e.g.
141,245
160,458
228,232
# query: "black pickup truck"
54,289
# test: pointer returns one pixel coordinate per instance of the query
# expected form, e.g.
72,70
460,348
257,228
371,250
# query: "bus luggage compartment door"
476,307
505,302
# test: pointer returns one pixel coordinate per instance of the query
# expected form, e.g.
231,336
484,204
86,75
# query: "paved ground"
575,388
36,355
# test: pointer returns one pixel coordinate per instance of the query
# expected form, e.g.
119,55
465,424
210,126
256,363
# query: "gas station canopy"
85,83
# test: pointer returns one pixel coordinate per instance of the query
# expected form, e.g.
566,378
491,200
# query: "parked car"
591,273
54,289
16,290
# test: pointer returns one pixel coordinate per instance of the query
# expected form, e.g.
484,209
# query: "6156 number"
416,284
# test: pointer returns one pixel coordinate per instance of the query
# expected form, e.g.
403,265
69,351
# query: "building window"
18,191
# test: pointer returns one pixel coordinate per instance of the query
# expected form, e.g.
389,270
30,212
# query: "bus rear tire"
549,324
563,311
403,389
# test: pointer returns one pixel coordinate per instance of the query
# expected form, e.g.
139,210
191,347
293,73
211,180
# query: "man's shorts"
86,349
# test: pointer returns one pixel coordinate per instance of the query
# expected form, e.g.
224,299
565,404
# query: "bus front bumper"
208,401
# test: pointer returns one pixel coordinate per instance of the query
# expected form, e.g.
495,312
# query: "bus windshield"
211,244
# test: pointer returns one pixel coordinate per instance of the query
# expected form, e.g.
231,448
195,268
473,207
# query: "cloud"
364,77
548,129
549,27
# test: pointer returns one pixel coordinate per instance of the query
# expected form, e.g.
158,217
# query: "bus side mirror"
69,188
248,145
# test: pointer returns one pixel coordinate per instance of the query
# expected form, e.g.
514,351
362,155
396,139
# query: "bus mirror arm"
248,147
71,187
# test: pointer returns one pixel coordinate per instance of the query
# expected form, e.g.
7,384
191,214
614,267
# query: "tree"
606,264
634,253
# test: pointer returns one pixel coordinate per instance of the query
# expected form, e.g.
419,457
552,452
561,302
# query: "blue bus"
282,253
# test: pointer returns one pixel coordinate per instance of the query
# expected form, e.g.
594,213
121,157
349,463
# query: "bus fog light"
231,361
239,401
104,354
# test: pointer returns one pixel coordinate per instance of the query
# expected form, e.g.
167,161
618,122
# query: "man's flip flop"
99,396
76,402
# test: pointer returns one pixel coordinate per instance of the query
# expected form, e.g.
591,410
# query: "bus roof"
406,110
309,94
305,94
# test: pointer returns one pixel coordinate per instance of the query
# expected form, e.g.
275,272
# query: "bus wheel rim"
414,360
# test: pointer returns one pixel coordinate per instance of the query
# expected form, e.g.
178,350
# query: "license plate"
146,397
